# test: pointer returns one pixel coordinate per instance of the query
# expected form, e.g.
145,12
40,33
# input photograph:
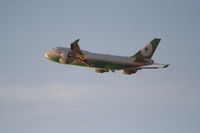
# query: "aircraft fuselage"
104,61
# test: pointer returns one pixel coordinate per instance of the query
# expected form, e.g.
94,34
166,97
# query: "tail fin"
148,51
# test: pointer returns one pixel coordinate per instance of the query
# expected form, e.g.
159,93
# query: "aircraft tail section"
148,51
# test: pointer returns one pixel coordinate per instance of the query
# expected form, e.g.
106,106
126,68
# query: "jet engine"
66,60
129,71
98,70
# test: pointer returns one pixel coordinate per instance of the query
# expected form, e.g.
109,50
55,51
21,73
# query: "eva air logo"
147,50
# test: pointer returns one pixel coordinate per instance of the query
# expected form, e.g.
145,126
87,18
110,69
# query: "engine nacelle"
126,72
63,60
66,60
129,71
100,70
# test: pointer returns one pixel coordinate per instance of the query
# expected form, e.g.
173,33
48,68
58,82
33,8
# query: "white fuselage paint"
99,57
111,58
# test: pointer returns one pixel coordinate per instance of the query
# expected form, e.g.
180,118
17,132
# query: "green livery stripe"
54,58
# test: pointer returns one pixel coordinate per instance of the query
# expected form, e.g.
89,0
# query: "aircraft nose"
46,54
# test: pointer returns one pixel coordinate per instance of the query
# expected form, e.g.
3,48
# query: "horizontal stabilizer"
156,67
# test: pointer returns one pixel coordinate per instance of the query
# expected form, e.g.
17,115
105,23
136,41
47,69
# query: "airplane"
104,62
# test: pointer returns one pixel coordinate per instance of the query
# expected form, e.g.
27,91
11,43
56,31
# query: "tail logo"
147,50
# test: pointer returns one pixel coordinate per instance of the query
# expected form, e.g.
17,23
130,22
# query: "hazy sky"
40,96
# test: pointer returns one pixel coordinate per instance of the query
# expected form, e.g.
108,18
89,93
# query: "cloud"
53,91
53,98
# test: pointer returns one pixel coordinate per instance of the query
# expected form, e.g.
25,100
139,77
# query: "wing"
75,47
76,52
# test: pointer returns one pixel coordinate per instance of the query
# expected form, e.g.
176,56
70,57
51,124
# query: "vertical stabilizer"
148,51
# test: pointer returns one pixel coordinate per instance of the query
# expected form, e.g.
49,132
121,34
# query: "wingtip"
77,40
166,66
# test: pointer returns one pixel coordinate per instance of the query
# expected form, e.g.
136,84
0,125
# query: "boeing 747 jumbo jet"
105,63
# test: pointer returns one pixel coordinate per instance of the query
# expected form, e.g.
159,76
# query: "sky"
37,95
